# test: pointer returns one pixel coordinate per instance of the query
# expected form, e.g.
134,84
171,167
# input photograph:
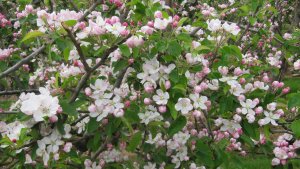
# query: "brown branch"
22,61
95,4
77,46
120,77
100,149
86,76
13,92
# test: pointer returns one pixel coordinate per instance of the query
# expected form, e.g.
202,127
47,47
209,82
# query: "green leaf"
251,130
232,50
294,100
119,65
181,21
32,34
92,125
125,50
204,153
70,22
135,140
184,37
174,48
177,125
172,109
295,126
68,108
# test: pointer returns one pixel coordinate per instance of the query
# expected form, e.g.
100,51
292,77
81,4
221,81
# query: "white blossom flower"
270,118
150,116
160,23
230,126
161,98
214,25
247,107
12,130
115,29
214,85
150,166
40,106
199,101
184,105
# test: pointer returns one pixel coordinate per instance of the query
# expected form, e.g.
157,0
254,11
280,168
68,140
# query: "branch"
13,92
78,120
100,149
120,77
79,86
21,62
86,76
95,4
77,45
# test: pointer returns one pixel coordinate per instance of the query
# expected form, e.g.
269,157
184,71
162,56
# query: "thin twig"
86,76
78,48
100,149
21,62
13,92
95,4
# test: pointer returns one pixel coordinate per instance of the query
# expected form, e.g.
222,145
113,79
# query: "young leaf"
296,128
134,141
32,34
177,125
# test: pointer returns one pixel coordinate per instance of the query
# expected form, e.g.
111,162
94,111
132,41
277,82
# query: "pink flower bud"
124,32
130,61
238,71
280,85
241,97
197,89
193,132
283,162
53,119
114,19
147,101
149,89
275,84
105,121
59,110
92,108
87,163
88,91
150,24
286,90
123,145
256,101
243,153
266,79
125,24
238,110
119,113
174,24
127,103
242,80
67,147
197,113
109,146
102,163
223,70
158,14
167,84
162,109
176,17
258,110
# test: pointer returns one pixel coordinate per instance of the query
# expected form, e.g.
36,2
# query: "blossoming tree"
149,84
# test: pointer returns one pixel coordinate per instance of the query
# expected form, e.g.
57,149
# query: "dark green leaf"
177,125
135,140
